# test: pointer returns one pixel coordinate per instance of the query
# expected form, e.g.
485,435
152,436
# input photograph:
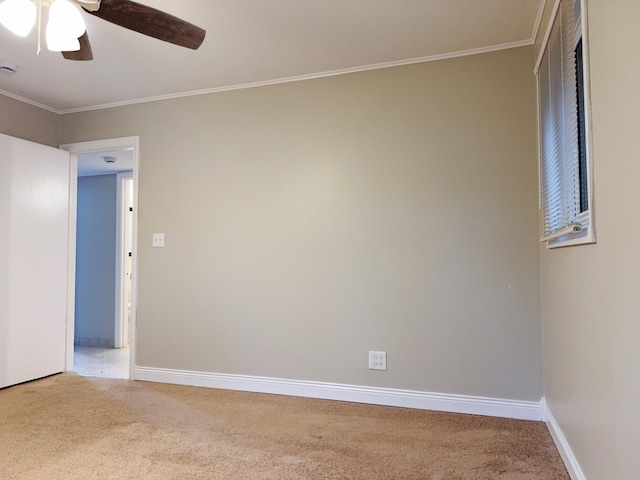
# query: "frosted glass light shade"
64,27
60,41
18,16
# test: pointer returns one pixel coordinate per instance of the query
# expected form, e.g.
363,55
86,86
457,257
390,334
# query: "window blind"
559,149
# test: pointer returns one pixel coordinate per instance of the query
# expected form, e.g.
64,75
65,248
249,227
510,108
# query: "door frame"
119,334
74,150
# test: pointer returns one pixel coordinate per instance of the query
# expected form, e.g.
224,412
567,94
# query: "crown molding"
299,78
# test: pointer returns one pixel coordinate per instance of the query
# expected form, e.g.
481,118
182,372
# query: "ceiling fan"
125,13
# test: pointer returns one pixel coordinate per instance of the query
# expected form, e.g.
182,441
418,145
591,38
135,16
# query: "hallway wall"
96,261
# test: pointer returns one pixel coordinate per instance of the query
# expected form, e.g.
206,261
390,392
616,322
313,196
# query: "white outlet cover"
377,360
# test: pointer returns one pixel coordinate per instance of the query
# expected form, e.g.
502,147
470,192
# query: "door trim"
74,150
119,320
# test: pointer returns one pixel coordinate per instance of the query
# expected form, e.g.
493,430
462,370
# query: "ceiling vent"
8,68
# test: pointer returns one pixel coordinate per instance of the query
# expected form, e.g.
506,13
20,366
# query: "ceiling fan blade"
151,22
84,53
89,5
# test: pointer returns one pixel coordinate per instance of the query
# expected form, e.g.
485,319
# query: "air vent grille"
9,68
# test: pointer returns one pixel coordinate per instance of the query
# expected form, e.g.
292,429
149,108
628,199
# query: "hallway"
101,362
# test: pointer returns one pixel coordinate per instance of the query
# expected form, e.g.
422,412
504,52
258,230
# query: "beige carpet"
70,427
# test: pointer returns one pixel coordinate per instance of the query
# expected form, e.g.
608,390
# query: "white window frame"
580,228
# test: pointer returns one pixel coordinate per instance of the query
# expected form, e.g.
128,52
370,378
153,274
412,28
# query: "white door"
128,263
34,233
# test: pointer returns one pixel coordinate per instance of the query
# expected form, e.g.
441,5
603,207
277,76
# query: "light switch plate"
158,240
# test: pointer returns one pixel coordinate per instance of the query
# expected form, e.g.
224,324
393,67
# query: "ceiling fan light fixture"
18,16
64,27
60,41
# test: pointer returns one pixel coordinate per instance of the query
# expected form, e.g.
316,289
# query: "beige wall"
25,121
307,223
590,294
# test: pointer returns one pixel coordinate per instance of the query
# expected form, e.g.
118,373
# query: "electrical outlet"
377,360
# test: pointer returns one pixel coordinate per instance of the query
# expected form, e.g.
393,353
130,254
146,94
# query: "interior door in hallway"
34,234
126,260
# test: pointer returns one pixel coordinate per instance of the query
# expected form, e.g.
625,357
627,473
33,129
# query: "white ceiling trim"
536,25
30,102
364,68
547,34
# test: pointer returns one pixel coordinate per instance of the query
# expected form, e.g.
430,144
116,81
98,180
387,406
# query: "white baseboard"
523,410
569,459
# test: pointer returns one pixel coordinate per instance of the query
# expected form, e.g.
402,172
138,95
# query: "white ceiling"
260,41
94,163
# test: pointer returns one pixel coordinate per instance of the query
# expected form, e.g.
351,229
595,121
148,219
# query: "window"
563,106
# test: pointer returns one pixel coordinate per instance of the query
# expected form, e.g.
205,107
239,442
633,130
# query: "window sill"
586,236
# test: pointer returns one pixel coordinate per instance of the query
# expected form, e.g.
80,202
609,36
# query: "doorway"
105,171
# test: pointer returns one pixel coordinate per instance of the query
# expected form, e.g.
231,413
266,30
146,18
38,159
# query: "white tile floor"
101,362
